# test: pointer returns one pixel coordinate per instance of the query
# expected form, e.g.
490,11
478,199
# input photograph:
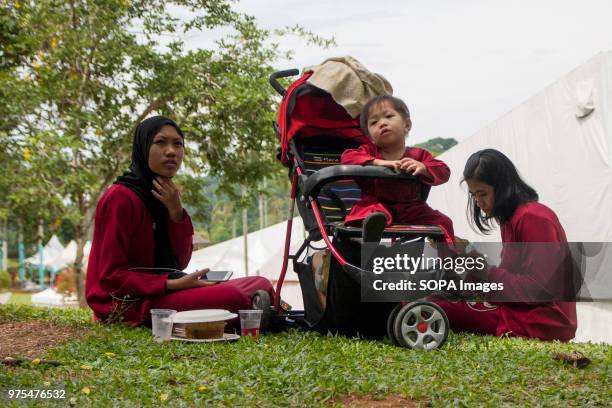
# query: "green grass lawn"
119,366
20,299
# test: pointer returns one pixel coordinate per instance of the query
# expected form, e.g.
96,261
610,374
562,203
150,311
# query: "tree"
437,145
21,190
99,68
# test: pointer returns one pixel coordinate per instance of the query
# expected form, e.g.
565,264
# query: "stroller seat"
337,197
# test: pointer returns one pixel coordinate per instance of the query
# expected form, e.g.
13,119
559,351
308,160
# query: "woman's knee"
234,298
263,283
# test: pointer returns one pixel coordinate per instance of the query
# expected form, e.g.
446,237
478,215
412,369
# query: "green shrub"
5,280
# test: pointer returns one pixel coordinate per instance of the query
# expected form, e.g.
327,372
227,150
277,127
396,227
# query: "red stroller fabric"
313,114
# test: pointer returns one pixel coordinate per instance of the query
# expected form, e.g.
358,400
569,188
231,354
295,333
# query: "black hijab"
139,179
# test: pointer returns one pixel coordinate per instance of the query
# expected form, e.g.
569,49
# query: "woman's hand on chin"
189,281
170,196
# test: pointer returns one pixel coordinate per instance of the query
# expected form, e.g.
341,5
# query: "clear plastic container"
250,321
161,322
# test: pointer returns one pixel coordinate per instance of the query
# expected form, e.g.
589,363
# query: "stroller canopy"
309,111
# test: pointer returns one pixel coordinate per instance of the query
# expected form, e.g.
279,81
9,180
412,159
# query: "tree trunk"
83,232
78,264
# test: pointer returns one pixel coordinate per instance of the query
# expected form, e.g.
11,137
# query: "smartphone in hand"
217,276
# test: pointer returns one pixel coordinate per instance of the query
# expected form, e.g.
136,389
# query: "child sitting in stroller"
386,120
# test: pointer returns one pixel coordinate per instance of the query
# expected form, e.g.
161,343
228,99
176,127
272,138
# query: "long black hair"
497,170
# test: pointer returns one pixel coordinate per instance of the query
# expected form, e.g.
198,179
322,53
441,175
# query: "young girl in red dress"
498,193
386,120
142,233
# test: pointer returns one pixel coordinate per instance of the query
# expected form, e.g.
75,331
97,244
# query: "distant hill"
437,145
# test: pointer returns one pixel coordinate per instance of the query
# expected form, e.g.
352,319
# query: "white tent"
265,256
69,254
561,142
56,256
51,254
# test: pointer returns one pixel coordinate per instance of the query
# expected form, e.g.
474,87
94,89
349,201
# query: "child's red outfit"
531,222
117,290
400,201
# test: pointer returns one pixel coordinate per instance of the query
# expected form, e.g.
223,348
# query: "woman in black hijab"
143,238
141,179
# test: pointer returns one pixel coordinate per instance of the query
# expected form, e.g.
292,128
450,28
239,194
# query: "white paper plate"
203,316
226,337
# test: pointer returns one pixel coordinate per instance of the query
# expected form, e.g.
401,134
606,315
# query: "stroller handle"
282,74
311,186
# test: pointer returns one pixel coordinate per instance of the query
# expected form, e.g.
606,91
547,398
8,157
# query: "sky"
458,64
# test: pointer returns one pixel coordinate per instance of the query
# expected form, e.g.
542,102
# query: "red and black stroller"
314,131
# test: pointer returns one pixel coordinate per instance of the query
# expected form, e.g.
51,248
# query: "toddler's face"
386,126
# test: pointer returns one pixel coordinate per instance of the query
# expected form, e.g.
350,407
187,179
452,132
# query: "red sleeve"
181,236
360,156
118,216
533,269
439,171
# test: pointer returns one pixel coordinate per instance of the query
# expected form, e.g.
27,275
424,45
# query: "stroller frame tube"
320,224
317,214
281,278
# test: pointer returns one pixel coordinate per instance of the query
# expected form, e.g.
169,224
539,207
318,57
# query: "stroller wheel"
421,325
391,322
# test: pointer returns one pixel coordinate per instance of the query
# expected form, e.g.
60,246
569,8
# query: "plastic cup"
161,322
249,322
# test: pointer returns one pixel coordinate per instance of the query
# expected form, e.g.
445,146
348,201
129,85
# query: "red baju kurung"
118,288
399,200
531,222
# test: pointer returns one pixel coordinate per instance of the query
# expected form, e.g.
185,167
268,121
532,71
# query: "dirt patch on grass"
390,401
32,338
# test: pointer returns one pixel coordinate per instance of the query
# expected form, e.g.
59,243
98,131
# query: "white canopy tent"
69,254
561,142
265,257
57,257
51,254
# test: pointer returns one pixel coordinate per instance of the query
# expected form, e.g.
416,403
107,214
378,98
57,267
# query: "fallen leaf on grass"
163,397
575,359
86,367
